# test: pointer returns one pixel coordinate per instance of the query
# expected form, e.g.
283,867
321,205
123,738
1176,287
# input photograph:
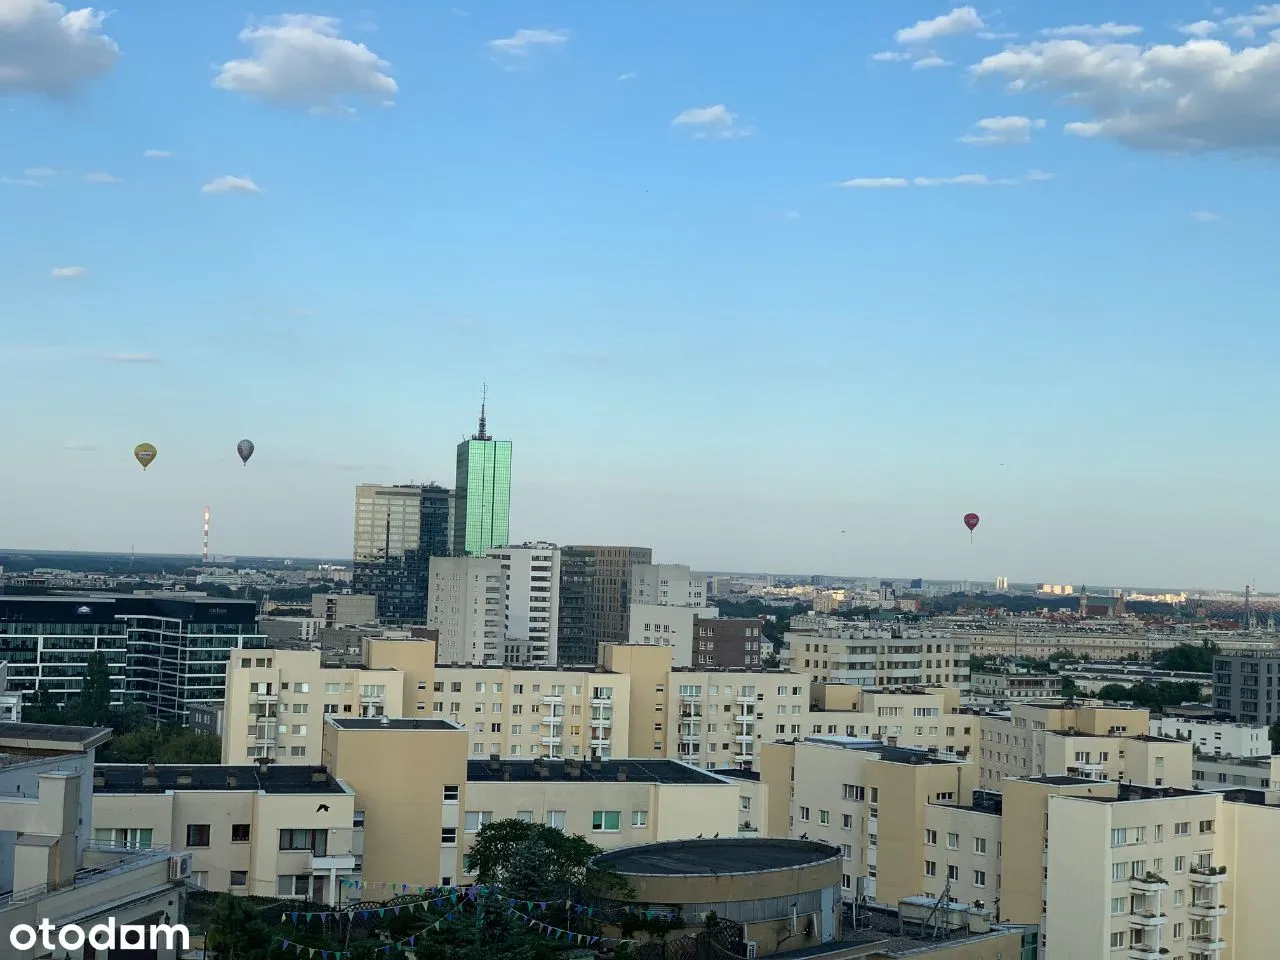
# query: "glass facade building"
398,529
483,496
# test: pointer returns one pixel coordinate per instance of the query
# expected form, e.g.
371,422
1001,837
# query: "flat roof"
386,723
1062,781
53,732
716,857
272,778
884,751
636,771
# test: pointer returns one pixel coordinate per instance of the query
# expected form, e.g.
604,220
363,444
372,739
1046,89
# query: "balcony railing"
1206,875
1204,909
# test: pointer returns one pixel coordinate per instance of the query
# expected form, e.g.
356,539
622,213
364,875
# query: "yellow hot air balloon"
144,453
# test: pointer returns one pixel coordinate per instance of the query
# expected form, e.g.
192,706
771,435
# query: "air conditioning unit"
180,866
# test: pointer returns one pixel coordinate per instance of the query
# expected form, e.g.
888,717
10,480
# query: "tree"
497,933
236,931
93,707
565,868
1190,657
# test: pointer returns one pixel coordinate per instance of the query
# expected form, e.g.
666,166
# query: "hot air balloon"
245,449
144,453
971,521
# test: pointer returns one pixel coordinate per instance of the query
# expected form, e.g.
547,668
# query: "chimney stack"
184,778
151,778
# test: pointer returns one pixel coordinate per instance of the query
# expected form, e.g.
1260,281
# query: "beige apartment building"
1061,738
926,718
830,650
261,829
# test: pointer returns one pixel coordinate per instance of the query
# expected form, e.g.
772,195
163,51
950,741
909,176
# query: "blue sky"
713,261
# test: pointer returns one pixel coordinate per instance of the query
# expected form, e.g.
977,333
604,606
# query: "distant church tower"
1084,601
1121,610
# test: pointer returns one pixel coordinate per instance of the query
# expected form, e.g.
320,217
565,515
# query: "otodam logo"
101,936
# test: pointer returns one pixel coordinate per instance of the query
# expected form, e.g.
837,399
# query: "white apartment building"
667,584
664,625
1215,737
468,605
926,719
875,656
532,578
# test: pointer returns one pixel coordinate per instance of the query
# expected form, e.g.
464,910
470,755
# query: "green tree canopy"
504,849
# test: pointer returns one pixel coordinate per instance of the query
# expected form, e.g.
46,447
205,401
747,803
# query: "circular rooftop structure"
732,856
776,891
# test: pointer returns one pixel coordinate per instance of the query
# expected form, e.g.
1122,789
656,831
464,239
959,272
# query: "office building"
1246,686
469,609
483,493
166,651
668,584
10,700
595,598
398,529
344,609
261,829
54,863
725,642
532,575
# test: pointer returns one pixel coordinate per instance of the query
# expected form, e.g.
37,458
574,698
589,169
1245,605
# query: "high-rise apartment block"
832,651
532,576
595,598
1246,686
343,609
469,608
668,584
483,493
398,529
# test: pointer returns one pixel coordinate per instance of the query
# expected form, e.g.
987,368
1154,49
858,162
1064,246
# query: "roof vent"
232,781
622,773
384,721
151,777
319,775
184,778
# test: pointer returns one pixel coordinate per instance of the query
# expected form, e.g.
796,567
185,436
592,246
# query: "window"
200,879
1179,864
931,837
824,816
524,816
979,878
846,851
473,820
854,792
133,838
239,878
555,818
239,833
1206,826
448,836
1182,829
451,793
930,868
314,840
953,841
332,688
953,872
606,821
1117,940
1119,871
197,835
846,821
1177,931
1119,837
980,846
293,885
639,818
1119,905
804,814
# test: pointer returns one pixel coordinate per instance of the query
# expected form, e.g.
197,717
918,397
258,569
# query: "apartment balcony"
1208,876
553,698
1148,919
600,743
744,758
690,738
1144,951
687,713
551,741
601,702
601,722
745,718
1151,883
265,698
1207,943
342,863
744,738
553,719
745,699
1206,909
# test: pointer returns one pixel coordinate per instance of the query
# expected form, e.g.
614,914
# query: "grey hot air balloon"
245,449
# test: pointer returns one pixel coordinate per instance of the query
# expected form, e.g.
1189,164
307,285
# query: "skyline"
738,281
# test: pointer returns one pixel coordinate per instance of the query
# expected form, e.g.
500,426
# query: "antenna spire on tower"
481,434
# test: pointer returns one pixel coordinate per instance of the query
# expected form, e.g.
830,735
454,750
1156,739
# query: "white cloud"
1206,216
963,180
133,358
891,56
1092,31
629,76
157,154
46,49
42,172
1201,28
989,35
100,177
1198,96
19,182
67,273
1002,131
1247,24
523,42
875,183
1038,175
930,63
713,123
300,60
231,185
959,20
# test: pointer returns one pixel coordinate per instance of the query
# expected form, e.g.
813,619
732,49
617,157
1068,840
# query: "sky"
761,290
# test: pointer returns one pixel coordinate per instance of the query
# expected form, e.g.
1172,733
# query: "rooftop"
24,742
528,667
386,723
883,751
1062,781
633,771
714,857
267,778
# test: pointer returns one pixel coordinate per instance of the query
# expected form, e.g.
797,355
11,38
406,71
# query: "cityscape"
601,483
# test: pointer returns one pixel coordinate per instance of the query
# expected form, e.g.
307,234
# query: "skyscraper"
595,598
397,531
482,493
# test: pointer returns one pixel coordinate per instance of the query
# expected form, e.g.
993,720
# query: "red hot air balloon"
971,521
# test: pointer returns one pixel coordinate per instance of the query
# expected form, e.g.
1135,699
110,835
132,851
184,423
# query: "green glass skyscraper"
483,493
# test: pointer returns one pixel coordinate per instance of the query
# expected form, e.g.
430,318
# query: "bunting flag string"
552,932
315,952
306,916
